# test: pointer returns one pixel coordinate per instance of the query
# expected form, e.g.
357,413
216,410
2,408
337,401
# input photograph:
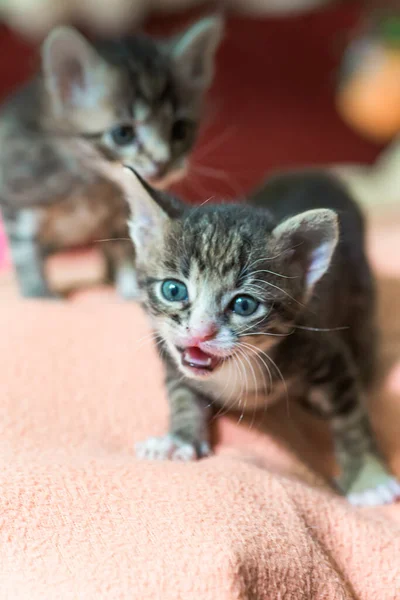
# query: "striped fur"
313,336
71,112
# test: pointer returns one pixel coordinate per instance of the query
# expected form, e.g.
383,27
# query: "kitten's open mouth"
200,362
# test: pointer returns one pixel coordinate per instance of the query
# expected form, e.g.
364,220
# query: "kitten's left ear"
307,241
195,50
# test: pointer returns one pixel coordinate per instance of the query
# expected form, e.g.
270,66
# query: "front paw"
385,493
171,447
373,485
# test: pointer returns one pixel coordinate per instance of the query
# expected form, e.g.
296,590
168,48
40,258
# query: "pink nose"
203,334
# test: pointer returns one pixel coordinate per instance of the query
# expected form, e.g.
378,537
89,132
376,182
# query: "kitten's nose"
202,334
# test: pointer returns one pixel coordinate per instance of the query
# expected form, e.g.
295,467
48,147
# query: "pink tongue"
197,357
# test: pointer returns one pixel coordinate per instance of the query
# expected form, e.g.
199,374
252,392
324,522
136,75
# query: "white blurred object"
37,17
378,184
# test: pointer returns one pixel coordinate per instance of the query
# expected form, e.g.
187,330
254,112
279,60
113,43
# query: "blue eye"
123,135
174,290
244,306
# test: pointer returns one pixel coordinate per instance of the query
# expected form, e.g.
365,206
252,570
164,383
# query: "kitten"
252,301
136,100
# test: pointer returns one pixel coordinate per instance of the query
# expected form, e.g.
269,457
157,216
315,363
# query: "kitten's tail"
378,184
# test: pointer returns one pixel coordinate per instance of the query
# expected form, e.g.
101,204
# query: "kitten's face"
208,293
136,101
224,281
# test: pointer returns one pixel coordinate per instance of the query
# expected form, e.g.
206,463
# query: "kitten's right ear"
307,241
195,50
73,70
148,218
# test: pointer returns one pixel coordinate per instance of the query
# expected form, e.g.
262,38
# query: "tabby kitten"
252,301
136,100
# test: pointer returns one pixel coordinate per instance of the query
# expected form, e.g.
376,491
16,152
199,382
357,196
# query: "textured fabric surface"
82,518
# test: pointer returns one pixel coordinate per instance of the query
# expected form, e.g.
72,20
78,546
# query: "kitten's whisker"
146,342
253,287
257,323
267,258
252,325
258,353
320,328
265,404
205,201
221,395
267,389
243,382
241,352
156,338
281,290
217,141
247,266
225,407
255,383
283,382
272,273
280,376
113,240
268,334
220,175
221,411
196,208
244,385
201,192
242,402
249,348
151,335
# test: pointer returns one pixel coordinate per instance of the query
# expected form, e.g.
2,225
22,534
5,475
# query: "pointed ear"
147,216
308,241
73,71
194,52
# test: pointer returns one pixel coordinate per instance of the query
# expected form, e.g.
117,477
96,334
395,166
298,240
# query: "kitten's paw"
385,493
374,485
170,447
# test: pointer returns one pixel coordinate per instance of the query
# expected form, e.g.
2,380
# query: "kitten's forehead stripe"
216,244
147,68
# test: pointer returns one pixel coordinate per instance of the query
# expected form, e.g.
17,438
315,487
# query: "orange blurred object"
369,100
75,269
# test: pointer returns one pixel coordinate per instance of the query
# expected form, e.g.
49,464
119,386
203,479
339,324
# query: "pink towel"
80,517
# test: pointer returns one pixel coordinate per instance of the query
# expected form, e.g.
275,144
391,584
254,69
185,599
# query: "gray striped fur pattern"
253,302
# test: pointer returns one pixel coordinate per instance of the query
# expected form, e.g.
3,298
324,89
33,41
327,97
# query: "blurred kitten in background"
134,100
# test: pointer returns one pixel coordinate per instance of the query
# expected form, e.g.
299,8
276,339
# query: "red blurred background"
272,104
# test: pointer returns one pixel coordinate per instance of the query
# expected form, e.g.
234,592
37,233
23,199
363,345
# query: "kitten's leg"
336,394
188,437
27,255
120,264
125,280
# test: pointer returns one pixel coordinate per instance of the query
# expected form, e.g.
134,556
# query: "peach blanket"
82,518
